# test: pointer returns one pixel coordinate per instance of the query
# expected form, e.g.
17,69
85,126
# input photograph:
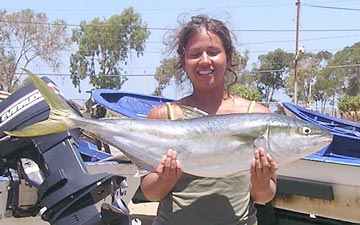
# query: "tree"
271,72
26,36
104,46
311,85
165,72
345,66
326,87
7,65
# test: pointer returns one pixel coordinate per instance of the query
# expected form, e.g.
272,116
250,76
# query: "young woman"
205,50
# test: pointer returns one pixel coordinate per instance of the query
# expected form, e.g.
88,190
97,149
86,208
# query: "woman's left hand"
263,166
263,177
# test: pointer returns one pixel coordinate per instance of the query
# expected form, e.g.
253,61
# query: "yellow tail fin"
60,112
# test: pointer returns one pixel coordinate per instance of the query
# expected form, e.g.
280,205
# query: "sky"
260,26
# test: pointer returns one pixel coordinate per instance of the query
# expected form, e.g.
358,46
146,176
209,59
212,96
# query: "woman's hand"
169,167
158,184
263,177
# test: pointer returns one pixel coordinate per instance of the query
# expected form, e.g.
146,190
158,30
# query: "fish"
207,146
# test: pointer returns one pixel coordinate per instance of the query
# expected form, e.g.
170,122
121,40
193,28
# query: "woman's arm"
156,185
263,168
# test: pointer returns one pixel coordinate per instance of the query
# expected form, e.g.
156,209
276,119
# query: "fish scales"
209,146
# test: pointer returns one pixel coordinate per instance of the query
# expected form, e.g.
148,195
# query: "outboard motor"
52,166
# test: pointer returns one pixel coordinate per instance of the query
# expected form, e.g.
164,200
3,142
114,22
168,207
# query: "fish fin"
240,173
262,141
38,129
118,158
54,100
60,112
141,173
191,112
143,168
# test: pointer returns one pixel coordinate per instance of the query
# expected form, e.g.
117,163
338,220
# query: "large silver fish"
209,146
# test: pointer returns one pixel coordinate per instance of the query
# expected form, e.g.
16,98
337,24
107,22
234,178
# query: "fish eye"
306,130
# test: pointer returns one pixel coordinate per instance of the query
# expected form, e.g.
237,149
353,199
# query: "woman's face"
205,61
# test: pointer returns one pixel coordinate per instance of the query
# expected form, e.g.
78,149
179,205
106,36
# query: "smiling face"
205,61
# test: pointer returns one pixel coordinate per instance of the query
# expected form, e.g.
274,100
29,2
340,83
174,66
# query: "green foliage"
345,68
165,72
239,63
8,81
349,103
314,84
249,93
105,46
38,39
273,68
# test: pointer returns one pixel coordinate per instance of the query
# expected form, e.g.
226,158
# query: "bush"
248,93
350,108
349,103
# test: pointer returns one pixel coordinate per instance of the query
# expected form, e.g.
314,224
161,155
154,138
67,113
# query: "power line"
169,29
330,7
164,9
153,75
239,44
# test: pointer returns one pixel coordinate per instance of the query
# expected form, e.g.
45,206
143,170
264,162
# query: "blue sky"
321,28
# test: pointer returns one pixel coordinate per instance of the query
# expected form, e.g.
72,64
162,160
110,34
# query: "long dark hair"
187,30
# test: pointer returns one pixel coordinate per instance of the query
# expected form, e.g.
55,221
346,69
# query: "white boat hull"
344,180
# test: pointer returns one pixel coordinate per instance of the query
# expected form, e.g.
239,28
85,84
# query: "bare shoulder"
158,112
244,106
259,108
162,112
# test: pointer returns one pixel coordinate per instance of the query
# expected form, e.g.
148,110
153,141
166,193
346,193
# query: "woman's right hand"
169,167
156,185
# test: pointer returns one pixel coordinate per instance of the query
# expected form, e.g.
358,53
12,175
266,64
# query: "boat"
321,188
333,124
127,104
346,133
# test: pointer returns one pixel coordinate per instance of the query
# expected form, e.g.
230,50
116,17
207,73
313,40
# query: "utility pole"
298,4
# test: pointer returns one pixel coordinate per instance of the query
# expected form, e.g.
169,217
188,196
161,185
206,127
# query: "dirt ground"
145,212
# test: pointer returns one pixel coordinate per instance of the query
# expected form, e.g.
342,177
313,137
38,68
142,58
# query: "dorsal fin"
191,112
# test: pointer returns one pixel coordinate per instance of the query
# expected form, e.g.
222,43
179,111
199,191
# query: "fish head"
289,139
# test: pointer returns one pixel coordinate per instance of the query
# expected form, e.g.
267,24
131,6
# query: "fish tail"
60,113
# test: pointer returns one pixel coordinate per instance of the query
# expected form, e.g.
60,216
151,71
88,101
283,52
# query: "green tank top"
212,201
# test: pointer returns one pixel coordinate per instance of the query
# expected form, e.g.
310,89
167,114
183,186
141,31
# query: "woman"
205,50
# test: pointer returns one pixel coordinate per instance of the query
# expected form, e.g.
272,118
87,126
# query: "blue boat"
127,104
346,143
333,124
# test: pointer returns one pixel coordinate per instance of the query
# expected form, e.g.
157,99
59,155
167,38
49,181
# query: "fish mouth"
325,140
